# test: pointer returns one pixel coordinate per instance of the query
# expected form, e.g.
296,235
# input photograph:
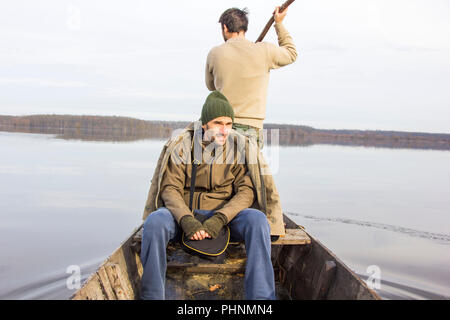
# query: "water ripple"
49,286
441,237
396,291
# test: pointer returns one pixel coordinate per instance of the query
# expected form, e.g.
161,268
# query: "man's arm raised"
285,53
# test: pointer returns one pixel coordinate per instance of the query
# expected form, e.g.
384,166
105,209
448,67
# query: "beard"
215,136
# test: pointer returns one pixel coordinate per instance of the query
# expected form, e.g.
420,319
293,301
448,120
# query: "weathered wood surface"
293,237
181,261
323,280
304,269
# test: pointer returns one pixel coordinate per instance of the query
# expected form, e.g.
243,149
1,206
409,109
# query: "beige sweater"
240,70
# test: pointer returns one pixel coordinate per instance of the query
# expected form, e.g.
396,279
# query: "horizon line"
188,121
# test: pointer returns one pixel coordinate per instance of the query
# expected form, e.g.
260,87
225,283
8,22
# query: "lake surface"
70,202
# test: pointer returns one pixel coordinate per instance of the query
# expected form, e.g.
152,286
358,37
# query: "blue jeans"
249,225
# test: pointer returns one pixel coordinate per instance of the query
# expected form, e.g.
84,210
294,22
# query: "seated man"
224,192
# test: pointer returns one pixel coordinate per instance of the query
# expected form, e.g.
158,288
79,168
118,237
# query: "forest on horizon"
117,128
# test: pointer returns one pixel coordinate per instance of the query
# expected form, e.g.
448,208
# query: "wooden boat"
304,269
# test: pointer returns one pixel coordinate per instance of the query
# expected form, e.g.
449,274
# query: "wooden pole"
272,20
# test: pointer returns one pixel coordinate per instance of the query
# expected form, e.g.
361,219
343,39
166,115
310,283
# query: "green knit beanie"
216,105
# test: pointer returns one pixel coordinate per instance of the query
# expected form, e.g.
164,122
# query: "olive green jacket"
267,198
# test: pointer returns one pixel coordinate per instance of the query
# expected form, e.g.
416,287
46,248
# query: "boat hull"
304,269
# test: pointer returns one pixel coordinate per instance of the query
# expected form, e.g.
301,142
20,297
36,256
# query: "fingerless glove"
214,224
190,225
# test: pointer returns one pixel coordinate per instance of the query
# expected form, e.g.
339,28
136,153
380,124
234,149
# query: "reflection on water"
72,202
113,128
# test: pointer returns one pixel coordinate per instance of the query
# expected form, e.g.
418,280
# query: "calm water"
66,202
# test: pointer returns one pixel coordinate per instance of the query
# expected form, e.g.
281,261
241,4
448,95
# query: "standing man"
240,68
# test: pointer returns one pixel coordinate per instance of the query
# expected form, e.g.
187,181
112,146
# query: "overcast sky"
363,64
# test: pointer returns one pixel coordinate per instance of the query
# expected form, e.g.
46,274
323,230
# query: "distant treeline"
105,128
113,128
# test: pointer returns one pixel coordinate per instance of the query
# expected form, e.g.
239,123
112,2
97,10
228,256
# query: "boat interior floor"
193,278
190,277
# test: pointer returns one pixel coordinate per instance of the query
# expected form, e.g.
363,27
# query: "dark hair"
235,19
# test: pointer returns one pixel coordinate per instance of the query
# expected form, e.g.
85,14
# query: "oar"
272,20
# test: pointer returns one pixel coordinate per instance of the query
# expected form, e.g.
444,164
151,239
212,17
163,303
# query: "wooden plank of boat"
304,269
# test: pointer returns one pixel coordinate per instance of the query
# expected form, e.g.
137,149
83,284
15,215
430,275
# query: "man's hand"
200,235
192,227
279,17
